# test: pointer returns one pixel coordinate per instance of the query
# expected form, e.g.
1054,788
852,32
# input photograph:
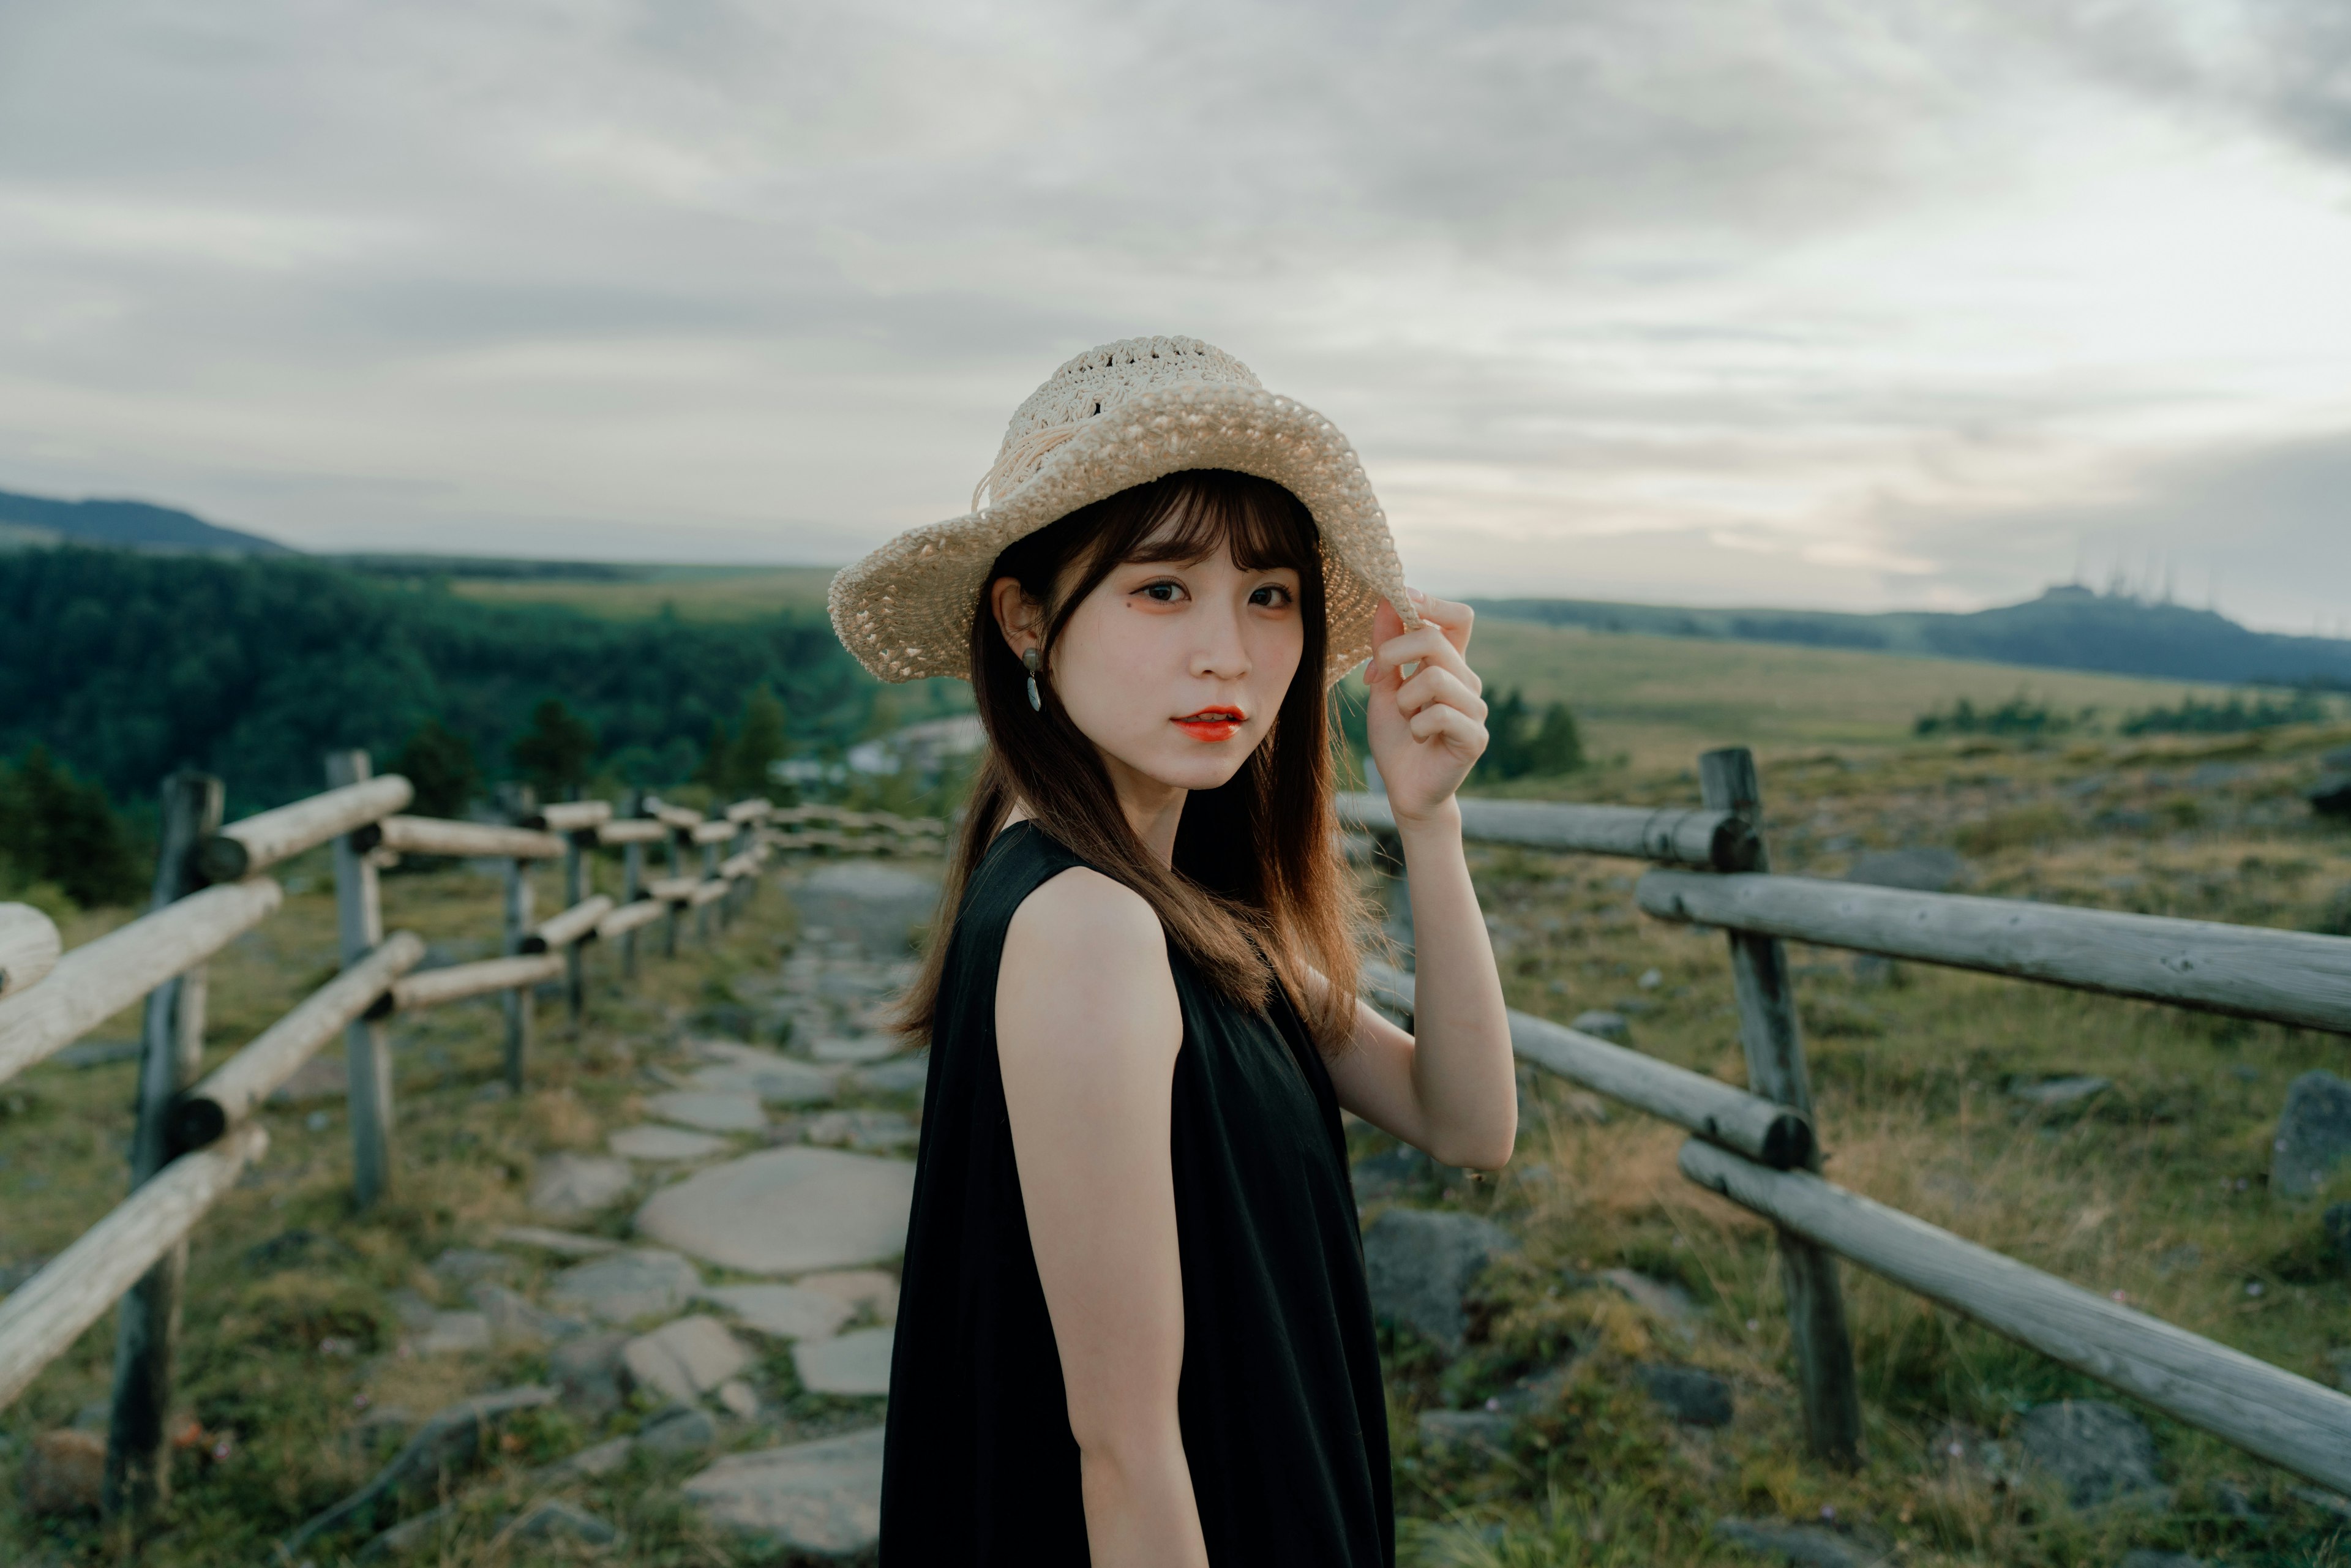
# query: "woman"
1134,1328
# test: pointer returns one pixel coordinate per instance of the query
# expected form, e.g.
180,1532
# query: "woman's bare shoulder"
1088,953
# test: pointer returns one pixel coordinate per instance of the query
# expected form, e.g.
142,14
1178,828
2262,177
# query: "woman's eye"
1164,593
1272,595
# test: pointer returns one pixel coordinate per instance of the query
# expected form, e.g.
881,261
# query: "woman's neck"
1152,808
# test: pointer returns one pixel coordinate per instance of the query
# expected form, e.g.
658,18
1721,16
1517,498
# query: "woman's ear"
1019,618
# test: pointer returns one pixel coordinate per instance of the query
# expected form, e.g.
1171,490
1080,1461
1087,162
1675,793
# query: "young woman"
1133,1329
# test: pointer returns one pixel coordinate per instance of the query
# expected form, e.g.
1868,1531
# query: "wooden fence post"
676,869
367,1057
519,1003
146,1327
702,910
633,888
575,888
1775,1046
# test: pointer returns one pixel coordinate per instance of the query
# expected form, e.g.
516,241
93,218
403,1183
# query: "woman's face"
1175,670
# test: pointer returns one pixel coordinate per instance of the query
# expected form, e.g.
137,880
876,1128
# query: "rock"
1660,1298
454,1334
1535,1393
2060,1094
2313,1135
1391,1171
683,1360
2097,1453
879,906
626,1286
590,1463
682,1429
771,1079
856,1288
856,1362
453,1439
713,1110
64,1472
1420,1262
786,1211
2145,1557
1689,1394
785,1311
822,1498
1602,1024
899,1075
587,1372
323,1077
1810,1545
464,1265
415,1312
516,1321
871,1131
1922,869
553,1520
856,1048
649,1143
562,1243
738,1398
1463,1433
573,1187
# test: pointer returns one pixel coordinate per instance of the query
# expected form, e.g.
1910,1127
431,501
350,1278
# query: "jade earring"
1032,661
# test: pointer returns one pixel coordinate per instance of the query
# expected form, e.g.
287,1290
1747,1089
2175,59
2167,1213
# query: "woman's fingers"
1431,645
1454,619
1436,684
1459,733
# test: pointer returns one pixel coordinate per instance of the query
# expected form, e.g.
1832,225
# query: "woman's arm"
1087,1031
1449,1087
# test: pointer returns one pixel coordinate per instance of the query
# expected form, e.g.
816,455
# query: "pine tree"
440,763
757,745
554,753
58,829
1556,747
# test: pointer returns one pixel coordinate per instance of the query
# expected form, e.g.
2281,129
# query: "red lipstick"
1211,724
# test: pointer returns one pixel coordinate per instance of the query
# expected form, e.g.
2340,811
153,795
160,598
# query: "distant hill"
2067,628
122,525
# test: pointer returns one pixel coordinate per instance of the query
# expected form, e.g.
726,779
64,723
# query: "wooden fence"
1760,1148
194,1135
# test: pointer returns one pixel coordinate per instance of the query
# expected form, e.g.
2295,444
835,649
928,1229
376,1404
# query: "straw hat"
1114,417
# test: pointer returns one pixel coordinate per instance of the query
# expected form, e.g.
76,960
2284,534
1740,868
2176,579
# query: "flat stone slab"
857,1288
715,1111
857,1362
454,1334
824,1497
562,1243
856,1047
515,1320
626,1286
773,1079
573,1187
784,1311
878,905
875,1131
899,1075
786,1211
685,1360
664,1144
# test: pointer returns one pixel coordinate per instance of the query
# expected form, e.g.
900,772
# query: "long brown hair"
1257,878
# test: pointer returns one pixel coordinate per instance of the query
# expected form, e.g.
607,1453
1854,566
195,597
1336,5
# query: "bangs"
1254,521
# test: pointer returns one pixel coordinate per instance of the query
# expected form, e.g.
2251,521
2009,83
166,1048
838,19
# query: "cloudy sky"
1846,303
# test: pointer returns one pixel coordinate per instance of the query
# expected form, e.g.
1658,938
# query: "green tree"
554,753
759,743
58,829
1557,747
1508,728
440,763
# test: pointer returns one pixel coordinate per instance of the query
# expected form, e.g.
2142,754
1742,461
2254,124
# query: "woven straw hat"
1114,417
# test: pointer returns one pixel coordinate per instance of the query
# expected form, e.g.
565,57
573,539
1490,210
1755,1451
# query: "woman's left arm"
1449,1087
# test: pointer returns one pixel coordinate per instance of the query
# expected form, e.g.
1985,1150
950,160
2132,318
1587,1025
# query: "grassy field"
692,593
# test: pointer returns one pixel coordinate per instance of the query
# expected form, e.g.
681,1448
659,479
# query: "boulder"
714,1111
664,1144
784,1311
1689,1394
822,1498
639,1283
853,1364
786,1211
573,1187
2313,1135
1445,1434
2098,1454
1921,869
1420,1263
64,1472
683,1360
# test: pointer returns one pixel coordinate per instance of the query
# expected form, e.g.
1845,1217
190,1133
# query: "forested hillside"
127,665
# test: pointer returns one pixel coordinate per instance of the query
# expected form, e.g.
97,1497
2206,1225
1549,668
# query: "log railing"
1760,1148
196,1132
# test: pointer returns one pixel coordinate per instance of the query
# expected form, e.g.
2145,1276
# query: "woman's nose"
1222,650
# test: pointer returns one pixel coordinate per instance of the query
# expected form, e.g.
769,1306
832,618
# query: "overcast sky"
1870,304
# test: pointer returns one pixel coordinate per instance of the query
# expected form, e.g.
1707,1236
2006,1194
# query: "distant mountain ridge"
2067,628
123,525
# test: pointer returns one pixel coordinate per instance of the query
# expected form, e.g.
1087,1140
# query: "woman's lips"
1211,724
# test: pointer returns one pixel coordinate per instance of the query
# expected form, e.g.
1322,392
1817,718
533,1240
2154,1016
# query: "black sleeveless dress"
1284,1421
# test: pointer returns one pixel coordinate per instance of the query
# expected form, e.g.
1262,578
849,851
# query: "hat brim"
906,610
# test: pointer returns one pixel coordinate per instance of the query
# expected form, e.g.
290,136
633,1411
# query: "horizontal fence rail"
2286,977
46,1313
436,836
29,946
456,982
258,842
99,979
2262,1408
629,917
1719,840
1714,1110
576,924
